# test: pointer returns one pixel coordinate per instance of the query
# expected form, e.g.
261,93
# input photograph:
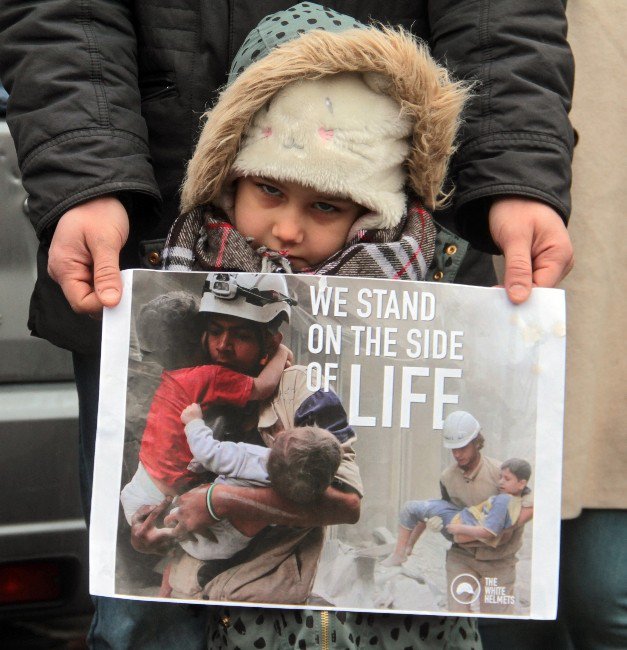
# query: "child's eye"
270,190
324,207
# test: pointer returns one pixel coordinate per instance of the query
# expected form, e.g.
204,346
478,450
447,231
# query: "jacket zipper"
325,643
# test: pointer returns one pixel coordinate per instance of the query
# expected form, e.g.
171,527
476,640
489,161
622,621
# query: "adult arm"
465,533
526,514
74,114
265,384
512,170
494,528
244,504
85,251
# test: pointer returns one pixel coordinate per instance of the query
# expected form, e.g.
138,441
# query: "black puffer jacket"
105,96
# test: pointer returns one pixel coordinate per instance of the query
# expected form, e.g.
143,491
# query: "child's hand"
272,343
289,361
191,412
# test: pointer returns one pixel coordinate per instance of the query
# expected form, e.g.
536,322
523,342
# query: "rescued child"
322,156
485,521
300,467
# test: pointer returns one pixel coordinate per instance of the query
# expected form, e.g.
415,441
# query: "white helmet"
258,297
460,428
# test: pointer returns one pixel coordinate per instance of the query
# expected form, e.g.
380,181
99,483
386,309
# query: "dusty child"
485,521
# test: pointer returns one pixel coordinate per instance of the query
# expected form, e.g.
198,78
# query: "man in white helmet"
244,312
473,478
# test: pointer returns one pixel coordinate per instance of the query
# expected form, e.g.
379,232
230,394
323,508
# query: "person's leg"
87,376
414,536
409,530
400,550
120,624
459,565
498,633
517,635
125,624
498,579
592,611
593,579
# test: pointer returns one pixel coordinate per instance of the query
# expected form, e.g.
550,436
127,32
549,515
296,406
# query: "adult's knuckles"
517,265
106,274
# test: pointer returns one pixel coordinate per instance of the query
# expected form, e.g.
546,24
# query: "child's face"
510,484
304,224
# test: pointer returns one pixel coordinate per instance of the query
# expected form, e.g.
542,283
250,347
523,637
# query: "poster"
383,365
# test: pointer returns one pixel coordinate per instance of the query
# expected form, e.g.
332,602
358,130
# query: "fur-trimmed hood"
408,74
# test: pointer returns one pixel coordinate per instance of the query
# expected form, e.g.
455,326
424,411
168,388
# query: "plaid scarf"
204,240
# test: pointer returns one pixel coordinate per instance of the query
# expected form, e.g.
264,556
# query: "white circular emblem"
465,588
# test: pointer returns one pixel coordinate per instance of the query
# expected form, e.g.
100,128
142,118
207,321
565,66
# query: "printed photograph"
328,442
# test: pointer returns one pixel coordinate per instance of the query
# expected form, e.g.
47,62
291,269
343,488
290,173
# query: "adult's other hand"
535,243
84,254
146,536
191,514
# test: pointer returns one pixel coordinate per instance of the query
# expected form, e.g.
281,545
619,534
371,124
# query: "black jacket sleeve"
74,107
516,138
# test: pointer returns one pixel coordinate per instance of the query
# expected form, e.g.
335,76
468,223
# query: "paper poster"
404,455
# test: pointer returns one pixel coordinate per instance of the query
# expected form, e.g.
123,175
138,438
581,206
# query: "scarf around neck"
205,240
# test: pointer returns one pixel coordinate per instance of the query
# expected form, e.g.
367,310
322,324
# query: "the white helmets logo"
465,588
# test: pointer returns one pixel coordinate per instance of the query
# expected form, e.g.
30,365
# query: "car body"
43,538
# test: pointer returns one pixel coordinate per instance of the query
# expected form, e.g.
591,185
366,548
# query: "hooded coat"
106,97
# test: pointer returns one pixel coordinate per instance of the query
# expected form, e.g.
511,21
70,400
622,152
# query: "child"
300,466
485,521
216,385
320,157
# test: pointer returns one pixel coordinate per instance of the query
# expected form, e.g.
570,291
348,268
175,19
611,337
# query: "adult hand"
84,254
146,537
191,514
534,242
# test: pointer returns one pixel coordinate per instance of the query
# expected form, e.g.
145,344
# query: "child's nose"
288,227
